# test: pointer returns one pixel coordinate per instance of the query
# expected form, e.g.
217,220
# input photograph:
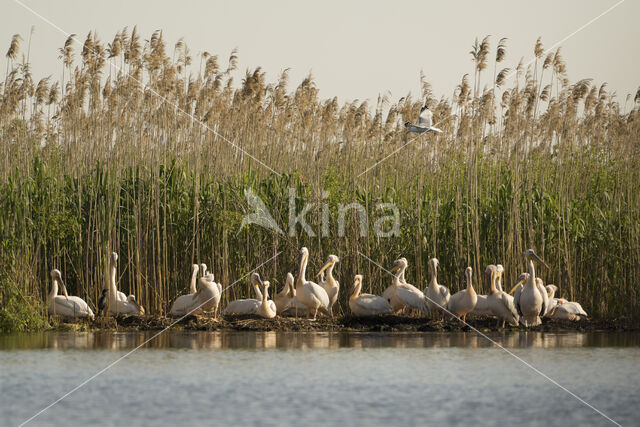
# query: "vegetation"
147,151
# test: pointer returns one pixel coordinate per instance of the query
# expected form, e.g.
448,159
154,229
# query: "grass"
110,158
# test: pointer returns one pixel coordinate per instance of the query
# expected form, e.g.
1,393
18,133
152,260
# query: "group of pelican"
299,296
72,306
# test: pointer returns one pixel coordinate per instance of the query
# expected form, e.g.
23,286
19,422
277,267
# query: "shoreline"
389,323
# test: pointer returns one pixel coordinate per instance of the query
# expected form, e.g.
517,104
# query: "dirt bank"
346,323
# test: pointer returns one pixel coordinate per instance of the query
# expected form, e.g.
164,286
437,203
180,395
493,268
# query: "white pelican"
389,293
116,304
425,122
64,305
462,302
120,296
248,305
330,284
286,301
553,301
185,304
208,293
131,299
363,305
267,308
284,297
437,296
482,304
404,293
569,311
312,295
529,299
500,303
499,271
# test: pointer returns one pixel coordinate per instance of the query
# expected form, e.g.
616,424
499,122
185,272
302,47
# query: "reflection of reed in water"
119,341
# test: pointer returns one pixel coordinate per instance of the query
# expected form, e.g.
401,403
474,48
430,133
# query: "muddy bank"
346,323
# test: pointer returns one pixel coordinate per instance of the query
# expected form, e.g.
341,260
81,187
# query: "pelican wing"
425,119
242,306
445,293
369,305
516,299
412,296
509,303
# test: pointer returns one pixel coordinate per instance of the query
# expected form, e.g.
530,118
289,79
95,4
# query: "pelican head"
499,269
266,284
434,263
551,290
491,269
255,278
399,265
132,299
55,274
469,272
194,268
331,261
521,280
357,280
530,253
114,259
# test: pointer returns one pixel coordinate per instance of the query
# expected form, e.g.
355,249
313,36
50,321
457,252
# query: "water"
270,378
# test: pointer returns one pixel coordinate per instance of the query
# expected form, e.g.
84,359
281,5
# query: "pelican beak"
394,268
324,267
540,260
516,286
548,294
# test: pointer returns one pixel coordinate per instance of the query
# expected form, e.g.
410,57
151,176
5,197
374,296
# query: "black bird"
102,302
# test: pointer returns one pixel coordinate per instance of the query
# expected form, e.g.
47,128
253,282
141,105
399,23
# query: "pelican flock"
531,302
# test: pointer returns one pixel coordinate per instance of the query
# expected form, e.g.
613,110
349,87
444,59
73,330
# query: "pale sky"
356,49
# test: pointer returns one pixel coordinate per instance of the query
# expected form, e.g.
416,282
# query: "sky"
355,49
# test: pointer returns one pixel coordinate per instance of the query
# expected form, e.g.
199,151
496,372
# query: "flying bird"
425,122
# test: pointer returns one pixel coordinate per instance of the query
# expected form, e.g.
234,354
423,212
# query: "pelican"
569,311
116,304
363,305
64,305
131,299
312,295
437,296
553,301
283,298
482,304
267,308
286,301
462,302
208,293
500,303
403,293
185,304
330,285
528,299
120,296
389,293
425,122
248,305
499,271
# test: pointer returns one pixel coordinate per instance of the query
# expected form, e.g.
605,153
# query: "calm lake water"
271,378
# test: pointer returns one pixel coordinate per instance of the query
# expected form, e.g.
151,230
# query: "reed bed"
147,149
